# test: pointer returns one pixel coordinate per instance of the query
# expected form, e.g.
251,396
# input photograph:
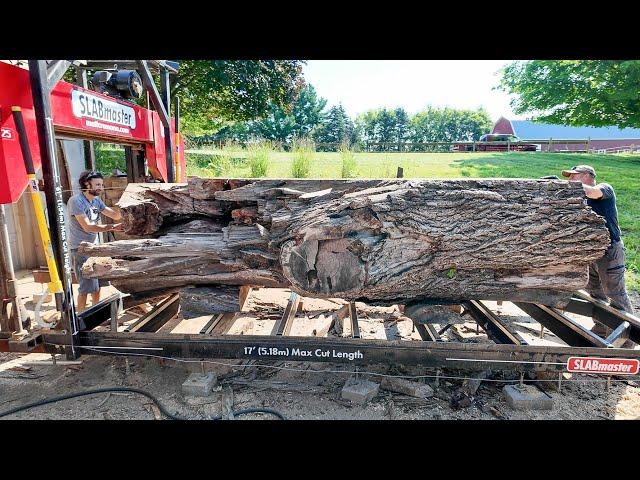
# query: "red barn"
592,138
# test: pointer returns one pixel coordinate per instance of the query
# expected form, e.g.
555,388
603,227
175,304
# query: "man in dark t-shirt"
84,215
606,276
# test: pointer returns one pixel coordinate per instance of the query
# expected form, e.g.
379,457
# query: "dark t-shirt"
606,206
78,205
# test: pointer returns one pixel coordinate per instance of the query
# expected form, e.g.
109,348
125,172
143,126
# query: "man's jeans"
606,278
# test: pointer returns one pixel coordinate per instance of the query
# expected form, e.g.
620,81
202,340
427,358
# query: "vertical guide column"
178,170
89,152
168,135
55,204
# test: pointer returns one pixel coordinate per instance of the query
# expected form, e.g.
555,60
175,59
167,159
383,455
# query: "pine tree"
336,128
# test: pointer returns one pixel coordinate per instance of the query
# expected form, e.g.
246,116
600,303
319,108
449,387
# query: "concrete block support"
527,397
199,384
359,391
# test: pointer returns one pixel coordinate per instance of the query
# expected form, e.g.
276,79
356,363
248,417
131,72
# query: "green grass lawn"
621,171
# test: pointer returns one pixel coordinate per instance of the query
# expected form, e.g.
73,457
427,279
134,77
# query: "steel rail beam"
158,316
495,328
562,326
584,304
99,313
211,324
352,351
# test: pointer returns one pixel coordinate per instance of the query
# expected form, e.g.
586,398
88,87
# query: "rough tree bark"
203,300
379,241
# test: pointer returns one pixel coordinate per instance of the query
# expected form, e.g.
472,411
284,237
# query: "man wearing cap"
606,276
84,212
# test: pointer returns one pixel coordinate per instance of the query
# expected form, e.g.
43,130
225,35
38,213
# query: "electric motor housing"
124,84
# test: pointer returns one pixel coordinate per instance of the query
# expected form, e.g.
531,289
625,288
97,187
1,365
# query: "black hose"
163,410
253,410
90,392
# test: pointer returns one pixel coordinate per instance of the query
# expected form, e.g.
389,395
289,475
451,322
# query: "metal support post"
159,103
9,281
89,152
55,203
180,176
168,138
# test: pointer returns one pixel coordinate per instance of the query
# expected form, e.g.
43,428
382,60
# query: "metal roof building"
597,138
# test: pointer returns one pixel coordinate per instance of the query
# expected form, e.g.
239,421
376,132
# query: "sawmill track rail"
509,352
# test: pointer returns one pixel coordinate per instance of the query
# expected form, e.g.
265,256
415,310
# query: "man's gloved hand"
550,177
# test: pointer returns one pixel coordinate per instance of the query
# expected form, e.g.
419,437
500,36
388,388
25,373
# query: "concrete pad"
359,391
407,387
527,397
199,384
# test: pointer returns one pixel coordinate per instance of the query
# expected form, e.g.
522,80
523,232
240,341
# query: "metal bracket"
353,316
56,70
154,95
283,327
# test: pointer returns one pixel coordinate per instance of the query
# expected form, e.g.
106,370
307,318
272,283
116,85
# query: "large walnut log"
381,241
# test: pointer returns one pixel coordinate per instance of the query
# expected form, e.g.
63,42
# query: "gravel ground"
304,392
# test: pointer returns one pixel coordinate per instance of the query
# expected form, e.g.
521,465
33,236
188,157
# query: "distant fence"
629,149
544,145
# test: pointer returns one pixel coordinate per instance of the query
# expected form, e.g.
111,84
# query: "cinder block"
527,397
199,384
359,391
407,387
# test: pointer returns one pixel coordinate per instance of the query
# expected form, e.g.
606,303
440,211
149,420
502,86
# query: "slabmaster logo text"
101,110
619,366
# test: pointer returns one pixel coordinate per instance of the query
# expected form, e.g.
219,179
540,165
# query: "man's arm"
87,227
593,192
112,213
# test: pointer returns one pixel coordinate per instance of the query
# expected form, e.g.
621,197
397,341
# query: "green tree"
306,114
215,91
402,125
366,125
236,131
449,125
576,92
337,128
383,126
386,129
308,111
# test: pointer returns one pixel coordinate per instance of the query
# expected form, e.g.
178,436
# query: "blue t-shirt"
606,206
78,205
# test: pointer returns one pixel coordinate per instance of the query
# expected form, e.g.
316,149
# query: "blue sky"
361,85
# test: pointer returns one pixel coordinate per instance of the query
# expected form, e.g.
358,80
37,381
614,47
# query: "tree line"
310,119
239,99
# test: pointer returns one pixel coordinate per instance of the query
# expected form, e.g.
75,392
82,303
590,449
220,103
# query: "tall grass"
258,158
348,161
303,152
